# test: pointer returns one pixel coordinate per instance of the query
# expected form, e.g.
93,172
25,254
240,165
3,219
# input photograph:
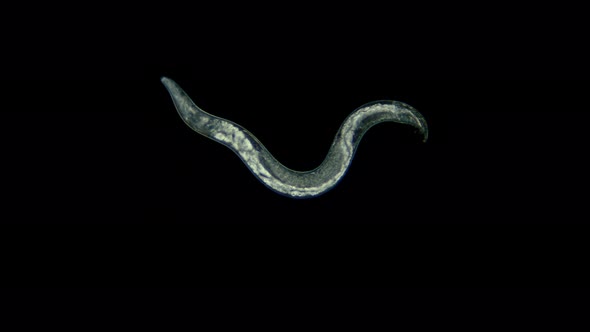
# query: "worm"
272,173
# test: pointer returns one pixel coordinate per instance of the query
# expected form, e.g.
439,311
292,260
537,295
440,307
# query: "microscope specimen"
272,173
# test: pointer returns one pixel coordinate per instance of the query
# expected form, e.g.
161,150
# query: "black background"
105,170
104,186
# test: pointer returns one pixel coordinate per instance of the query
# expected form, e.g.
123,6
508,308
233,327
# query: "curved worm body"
271,172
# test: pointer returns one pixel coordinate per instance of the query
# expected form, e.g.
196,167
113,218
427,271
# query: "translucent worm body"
272,173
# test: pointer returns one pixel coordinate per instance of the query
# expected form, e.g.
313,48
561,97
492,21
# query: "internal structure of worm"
275,175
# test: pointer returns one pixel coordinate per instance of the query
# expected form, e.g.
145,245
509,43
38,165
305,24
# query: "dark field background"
104,179
113,209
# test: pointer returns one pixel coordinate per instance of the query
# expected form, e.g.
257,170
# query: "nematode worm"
271,172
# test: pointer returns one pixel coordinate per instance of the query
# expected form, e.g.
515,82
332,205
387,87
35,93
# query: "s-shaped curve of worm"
275,175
